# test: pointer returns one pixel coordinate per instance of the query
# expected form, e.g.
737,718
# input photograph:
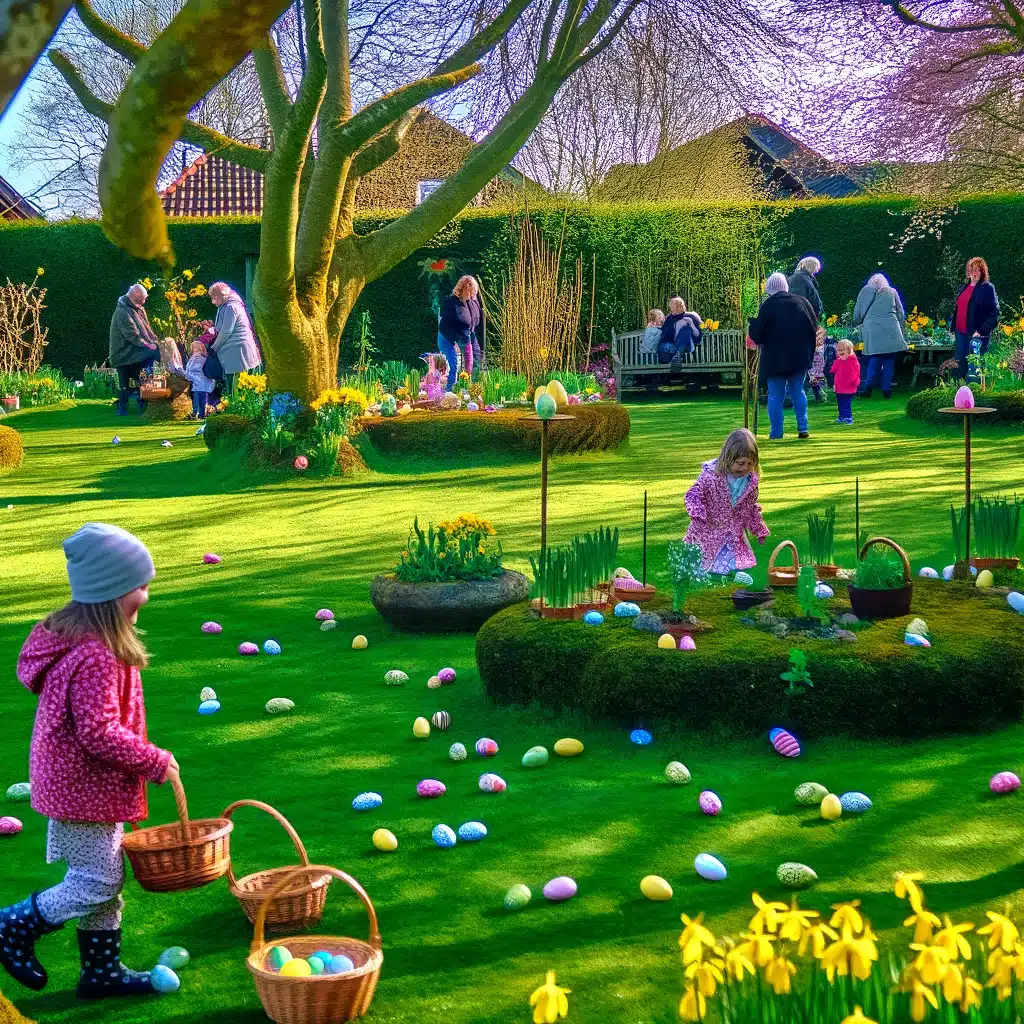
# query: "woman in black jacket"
785,330
976,313
460,317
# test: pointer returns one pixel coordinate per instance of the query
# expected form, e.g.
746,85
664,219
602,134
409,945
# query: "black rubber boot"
20,925
103,975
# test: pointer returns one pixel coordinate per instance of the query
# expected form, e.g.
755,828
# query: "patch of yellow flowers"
710,325
917,321
778,937
832,320
255,382
466,526
341,396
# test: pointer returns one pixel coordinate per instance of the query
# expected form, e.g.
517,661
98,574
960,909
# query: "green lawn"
452,954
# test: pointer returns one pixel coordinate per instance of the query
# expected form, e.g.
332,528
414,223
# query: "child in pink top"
846,380
90,759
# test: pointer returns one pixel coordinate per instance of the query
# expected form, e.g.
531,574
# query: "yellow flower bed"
341,396
466,526
255,382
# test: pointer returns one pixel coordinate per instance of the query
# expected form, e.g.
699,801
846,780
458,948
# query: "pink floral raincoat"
715,523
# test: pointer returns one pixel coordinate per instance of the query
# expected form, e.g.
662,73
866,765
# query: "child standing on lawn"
845,380
722,506
202,386
816,374
90,759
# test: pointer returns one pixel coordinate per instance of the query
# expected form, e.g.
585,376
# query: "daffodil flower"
847,916
849,955
707,974
693,1004
778,974
549,1002
40,271
951,938
1002,932
817,935
971,996
737,963
767,917
953,984
758,947
923,922
857,1017
907,888
794,922
931,963
919,994
695,936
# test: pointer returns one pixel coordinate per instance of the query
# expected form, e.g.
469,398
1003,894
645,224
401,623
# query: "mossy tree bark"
312,265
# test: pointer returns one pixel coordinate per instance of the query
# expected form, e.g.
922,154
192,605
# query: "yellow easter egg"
568,747
655,888
557,392
667,641
540,390
296,968
985,578
359,643
385,840
831,808
421,728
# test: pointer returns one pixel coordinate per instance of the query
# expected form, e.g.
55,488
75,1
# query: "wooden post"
543,489
967,492
746,386
645,540
856,527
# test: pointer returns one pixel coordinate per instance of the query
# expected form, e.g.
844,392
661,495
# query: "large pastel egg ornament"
709,868
964,398
1004,782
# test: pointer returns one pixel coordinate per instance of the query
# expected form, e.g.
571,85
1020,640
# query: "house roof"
13,206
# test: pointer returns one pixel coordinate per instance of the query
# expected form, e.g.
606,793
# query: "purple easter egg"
709,802
324,614
784,742
559,889
490,783
211,559
430,788
9,826
964,398
1004,782
486,747
248,648
211,627
686,643
447,676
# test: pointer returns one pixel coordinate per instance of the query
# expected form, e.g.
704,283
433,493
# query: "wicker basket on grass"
318,998
184,855
301,905
783,576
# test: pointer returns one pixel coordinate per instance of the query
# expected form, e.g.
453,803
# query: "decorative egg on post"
784,742
545,406
557,392
964,398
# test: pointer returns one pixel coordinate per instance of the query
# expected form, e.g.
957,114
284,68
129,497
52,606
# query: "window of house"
427,187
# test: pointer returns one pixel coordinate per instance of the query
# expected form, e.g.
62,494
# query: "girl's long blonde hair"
104,621
740,444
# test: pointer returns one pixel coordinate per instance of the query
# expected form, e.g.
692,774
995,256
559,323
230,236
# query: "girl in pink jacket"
723,506
90,759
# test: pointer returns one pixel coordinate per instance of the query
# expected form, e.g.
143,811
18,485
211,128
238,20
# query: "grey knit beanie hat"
105,563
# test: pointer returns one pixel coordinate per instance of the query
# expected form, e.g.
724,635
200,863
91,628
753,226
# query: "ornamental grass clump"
995,527
821,531
462,549
567,576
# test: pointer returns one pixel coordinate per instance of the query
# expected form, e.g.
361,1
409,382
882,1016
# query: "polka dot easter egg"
486,747
271,647
367,801
677,772
279,705
324,614
593,618
810,794
710,803
457,752
248,649
854,803
447,676
211,627
795,876
472,831
443,836
641,737
1004,782
207,693
627,610
19,792
327,625
396,677
429,789
784,742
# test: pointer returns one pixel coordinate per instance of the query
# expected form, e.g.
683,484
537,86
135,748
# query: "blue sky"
24,181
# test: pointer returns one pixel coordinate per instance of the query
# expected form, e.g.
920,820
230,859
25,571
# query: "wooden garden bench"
720,352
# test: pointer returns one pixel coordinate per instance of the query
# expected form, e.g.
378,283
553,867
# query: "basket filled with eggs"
315,979
298,906
624,587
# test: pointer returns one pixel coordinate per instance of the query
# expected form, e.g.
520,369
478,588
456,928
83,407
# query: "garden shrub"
225,429
925,405
972,678
12,451
601,426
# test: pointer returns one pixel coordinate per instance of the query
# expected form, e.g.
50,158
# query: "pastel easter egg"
622,573
248,649
209,707
947,573
491,783
207,693
964,398
359,643
324,957
667,642
628,583
593,618
517,896
784,742
913,640
810,794
421,728
686,643
279,705
627,610
1016,601
795,876
545,406
163,979
271,647
472,831
316,965
568,747
472,407
918,626
486,747
928,573
985,578
324,614
19,792
429,789
327,625
174,957
10,826
535,757
367,801
396,677
115,440
831,808
823,591
709,802
447,676
441,720
1002,782
211,627
301,463
641,737
279,956
677,772
744,579
211,559
559,889
339,964
384,840
855,803
433,683
709,868
654,887
556,390
296,968
443,836
457,752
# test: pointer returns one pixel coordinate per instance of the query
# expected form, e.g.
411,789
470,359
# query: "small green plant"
392,375
810,603
821,530
459,550
685,563
323,454
500,386
365,348
567,576
412,383
880,570
796,675
995,527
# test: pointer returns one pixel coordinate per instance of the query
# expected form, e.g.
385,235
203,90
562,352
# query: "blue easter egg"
928,573
855,803
709,868
823,591
974,570
916,640
947,573
176,957
443,836
472,831
324,957
163,979
272,647
627,610
1016,601
593,618
744,579
641,737
367,801
209,707
339,965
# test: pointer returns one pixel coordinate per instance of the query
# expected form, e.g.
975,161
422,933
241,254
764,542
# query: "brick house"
13,206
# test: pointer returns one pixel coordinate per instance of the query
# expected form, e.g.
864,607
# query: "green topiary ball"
12,451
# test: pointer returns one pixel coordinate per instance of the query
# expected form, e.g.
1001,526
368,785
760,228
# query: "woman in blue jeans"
785,329
460,317
880,316
977,313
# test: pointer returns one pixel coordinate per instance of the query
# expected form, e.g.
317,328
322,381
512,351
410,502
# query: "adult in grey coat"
235,344
880,316
133,345
802,282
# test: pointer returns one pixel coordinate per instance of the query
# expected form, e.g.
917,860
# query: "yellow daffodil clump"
340,396
255,382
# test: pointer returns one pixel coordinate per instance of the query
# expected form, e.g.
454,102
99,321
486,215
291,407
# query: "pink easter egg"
9,826
324,614
211,559
447,676
559,889
486,747
430,788
1004,782
627,583
709,802
784,742
490,783
686,643
301,463
211,627
248,648
964,398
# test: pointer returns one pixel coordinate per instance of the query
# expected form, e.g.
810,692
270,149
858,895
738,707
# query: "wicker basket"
784,577
293,909
185,855
319,998
150,393
883,604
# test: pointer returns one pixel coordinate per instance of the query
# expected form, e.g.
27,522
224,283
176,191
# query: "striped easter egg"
784,742
440,720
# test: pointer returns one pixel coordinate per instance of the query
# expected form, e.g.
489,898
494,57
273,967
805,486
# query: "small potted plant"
883,586
821,531
995,532
567,580
685,563
11,403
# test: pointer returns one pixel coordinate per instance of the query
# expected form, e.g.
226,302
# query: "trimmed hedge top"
12,451
972,678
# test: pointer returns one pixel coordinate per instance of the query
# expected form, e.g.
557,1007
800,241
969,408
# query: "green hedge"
972,678
225,429
925,405
601,426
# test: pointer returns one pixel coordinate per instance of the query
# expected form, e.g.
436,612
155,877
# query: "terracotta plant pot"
826,572
681,629
638,595
12,403
547,612
591,606
995,563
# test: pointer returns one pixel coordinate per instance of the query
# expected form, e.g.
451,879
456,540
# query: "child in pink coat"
846,380
723,506
90,759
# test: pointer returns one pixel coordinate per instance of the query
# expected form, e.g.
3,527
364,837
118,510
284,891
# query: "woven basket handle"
782,547
277,816
258,935
899,551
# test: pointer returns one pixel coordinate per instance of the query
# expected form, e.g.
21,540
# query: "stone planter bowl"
446,607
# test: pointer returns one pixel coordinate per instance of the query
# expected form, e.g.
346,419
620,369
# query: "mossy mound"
12,451
166,410
971,678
